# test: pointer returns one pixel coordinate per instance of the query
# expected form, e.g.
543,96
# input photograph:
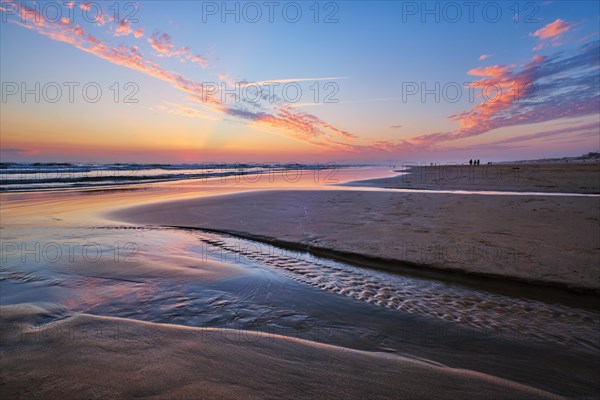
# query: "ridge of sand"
87,356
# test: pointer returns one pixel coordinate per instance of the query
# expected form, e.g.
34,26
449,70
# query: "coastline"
304,220
313,200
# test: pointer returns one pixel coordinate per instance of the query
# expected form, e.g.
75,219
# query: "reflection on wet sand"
61,255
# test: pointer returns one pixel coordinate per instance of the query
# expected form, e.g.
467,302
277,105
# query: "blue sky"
370,57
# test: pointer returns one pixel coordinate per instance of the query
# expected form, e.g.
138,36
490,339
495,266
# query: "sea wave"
50,176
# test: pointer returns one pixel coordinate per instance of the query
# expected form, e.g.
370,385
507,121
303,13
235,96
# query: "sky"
298,81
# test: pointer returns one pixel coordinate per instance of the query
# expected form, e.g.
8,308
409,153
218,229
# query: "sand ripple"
446,301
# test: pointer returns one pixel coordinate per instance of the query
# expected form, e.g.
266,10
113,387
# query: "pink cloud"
302,126
537,59
85,6
493,71
138,33
552,33
162,44
197,59
124,29
100,18
164,47
545,89
555,28
484,57
299,125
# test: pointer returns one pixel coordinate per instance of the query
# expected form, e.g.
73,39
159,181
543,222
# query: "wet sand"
99,357
174,284
537,239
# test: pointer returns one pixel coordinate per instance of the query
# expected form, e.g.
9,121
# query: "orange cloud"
85,6
493,71
201,61
555,28
165,48
501,88
163,45
285,119
124,29
552,33
302,126
547,88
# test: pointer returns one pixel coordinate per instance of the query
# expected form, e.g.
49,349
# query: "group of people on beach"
474,162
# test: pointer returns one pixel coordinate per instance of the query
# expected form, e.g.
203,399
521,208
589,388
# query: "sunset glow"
343,200
90,84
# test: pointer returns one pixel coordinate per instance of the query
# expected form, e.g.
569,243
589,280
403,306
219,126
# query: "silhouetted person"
471,162
478,161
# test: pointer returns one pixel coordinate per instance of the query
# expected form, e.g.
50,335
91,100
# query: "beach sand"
99,357
540,239
521,177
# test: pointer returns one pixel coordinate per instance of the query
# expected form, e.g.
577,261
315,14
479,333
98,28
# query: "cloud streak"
570,134
164,47
547,88
299,125
290,80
